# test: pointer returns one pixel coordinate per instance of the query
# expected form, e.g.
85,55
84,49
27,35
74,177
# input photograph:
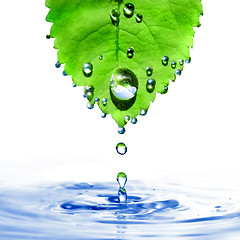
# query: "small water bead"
103,114
48,36
114,15
87,69
101,57
90,105
104,102
64,73
122,195
149,71
74,85
128,10
139,18
134,120
57,65
127,119
121,148
97,100
178,72
165,60
165,89
150,86
143,112
89,92
121,130
85,95
130,52
173,64
188,60
121,179
181,62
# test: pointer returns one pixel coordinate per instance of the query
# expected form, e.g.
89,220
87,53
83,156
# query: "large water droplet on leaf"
87,69
123,88
114,15
128,10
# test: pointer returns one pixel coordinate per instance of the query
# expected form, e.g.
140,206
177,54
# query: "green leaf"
84,33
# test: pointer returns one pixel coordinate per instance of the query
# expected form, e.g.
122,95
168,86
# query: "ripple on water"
92,211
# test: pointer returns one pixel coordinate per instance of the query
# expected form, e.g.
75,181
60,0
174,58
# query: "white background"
47,134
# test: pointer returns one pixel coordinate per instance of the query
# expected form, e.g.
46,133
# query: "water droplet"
122,195
87,69
64,73
123,88
143,112
181,62
103,114
188,60
104,102
48,36
121,179
201,14
85,95
173,64
97,100
134,121
101,57
121,148
130,52
89,92
150,86
90,105
114,15
74,85
128,10
121,130
126,119
149,71
165,60
178,72
165,89
58,65
139,17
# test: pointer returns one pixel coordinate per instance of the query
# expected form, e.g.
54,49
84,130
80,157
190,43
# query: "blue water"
74,211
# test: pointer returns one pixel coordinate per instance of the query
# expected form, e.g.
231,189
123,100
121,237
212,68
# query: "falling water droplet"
150,86
58,65
90,105
121,179
165,60
130,52
101,57
121,148
87,69
121,130
139,17
143,112
104,102
123,88
134,120
178,72
128,10
149,71
114,15
122,195
181,62
173,64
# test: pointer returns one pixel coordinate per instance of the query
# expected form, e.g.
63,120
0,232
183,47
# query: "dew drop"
122,195
127,119
114,15
165,89
87,69
57,65
188,60
128,10
181,62
123,88
134,120
150,86
74,85
173,64
165,60
121,130
64,73
48,36
89,92
101,57
104,102
103,114
121,148
149,71
139,18
178,72
121,179
130,52
97,100
90,105
143,112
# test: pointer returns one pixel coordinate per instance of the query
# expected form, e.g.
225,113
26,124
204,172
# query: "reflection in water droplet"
149,71
139,17
121,179
134,120
121,148
143,112
121,130
130,52
114,15
90,105
101,57
103,114
181,62
87,69
178,72
128,10
165,60
173,64
122,195
58,65
150,86
123,88
104,102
